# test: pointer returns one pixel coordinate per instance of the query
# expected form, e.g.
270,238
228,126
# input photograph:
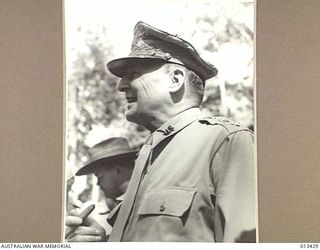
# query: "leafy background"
98,31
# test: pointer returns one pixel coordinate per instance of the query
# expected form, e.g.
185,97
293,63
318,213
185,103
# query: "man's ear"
118,170
118,175
177,80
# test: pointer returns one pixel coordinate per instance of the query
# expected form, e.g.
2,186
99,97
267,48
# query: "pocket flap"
173,201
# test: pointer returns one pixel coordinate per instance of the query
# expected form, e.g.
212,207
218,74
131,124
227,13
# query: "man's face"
107,180
145,90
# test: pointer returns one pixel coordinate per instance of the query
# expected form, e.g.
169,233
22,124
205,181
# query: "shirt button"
162,208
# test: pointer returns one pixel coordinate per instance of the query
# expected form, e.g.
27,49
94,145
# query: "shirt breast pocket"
169,201
163,214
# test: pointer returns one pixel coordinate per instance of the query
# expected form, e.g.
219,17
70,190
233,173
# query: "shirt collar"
102,207
121,197
175,124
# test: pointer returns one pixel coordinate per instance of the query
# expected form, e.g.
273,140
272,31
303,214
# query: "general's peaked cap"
151,44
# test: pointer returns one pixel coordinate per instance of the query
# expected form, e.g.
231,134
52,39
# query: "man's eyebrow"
132,74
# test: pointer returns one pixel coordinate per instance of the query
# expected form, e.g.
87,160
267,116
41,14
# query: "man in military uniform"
112,162
194,178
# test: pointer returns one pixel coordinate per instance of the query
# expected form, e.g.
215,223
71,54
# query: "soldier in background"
112,162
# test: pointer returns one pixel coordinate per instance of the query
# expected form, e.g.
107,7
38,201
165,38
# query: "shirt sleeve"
234,183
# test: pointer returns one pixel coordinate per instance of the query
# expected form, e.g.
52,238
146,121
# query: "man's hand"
87,231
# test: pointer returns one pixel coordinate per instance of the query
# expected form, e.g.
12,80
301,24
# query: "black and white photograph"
160,123
160,143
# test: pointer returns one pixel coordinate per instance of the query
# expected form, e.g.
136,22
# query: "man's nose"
123,84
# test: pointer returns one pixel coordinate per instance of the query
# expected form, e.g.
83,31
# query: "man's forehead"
98,168
103,166
142,66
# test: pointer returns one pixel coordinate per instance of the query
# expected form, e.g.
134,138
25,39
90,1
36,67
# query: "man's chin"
133,116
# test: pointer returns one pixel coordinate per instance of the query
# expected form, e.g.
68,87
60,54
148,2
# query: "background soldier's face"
146,93
107,181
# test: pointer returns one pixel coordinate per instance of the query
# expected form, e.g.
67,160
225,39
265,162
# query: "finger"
85,238
75,212
88,231
73,221
90,222
70,236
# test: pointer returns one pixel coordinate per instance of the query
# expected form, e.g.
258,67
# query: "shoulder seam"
237,127
226,138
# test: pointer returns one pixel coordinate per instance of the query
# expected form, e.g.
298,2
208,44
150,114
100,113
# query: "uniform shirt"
100,214
197,185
